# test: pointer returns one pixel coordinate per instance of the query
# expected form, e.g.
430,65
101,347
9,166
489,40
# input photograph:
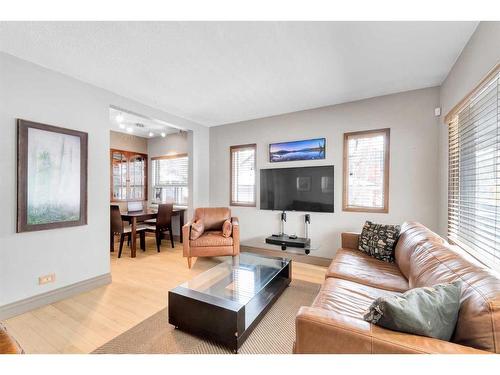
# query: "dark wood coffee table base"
221,320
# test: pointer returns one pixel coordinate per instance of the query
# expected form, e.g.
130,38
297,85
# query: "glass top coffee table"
226,302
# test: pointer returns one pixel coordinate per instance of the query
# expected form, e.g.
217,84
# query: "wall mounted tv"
308,189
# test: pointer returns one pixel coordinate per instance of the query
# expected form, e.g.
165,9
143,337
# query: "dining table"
134,217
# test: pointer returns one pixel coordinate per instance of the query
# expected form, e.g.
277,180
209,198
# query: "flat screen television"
308,189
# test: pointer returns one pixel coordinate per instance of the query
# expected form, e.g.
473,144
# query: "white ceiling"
222,72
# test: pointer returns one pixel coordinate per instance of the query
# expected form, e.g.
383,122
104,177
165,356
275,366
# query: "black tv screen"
308,189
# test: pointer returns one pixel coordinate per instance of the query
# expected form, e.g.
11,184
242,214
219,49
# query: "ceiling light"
151,134
119,118
122,126
130,130
163,134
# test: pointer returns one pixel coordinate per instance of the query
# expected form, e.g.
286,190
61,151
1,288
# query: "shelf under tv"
286,241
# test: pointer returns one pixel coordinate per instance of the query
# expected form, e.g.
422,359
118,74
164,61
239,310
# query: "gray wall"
127,142
413,171
478,57
74,254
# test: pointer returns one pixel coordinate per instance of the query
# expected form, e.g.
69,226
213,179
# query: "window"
243,175
474,172
170,179
366,171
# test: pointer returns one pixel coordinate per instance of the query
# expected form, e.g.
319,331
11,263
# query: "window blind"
365,170
170,179
474,175
243,175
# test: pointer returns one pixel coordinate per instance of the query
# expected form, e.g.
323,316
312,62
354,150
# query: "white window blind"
170,179
366,163
243,175
474,175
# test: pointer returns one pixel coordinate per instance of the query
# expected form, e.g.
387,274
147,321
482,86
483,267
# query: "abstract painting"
310,149
52,177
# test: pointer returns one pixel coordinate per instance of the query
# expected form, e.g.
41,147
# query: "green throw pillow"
428,311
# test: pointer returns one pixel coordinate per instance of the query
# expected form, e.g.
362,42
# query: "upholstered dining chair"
212,232
118,227
163,224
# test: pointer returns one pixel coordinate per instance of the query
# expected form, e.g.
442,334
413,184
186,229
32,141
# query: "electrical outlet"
47,279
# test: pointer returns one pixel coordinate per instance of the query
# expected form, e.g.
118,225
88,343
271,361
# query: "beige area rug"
274,334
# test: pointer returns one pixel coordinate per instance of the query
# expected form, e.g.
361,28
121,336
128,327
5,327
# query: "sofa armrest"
236,235
323,331
350,240
186,234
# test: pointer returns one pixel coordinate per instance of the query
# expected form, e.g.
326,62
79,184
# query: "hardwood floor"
139,289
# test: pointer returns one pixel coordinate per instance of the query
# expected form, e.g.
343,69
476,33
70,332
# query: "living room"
249,187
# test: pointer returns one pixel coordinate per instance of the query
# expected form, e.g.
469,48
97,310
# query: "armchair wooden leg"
189,262
112,242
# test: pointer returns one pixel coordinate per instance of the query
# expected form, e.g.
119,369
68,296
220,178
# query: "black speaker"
307,219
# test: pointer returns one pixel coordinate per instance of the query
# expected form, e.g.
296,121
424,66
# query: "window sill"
383,210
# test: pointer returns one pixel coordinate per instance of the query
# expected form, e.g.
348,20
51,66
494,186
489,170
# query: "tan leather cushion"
227,228
348,298
412,234
213,217
212,238
479,317
197,229
354,265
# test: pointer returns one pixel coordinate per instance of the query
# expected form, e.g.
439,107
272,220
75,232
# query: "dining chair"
124,230
163,224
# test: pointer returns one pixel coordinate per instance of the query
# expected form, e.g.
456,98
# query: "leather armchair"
211,242
8,345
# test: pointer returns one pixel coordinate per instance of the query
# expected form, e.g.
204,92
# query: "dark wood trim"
22,176
387,145
173,156
301,258
128,155
239,147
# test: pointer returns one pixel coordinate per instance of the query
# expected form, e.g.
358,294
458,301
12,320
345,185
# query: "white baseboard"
31,303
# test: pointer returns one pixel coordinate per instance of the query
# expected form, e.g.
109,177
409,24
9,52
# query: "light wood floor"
139,289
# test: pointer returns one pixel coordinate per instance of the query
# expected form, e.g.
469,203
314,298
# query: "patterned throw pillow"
227,228
427,311
197,229
378,240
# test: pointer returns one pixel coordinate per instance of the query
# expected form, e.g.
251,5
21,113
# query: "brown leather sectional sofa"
334,323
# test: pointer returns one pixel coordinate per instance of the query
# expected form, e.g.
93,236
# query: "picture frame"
51,177
307,149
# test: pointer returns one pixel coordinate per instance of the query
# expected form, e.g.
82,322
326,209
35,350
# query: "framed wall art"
309,149
51,177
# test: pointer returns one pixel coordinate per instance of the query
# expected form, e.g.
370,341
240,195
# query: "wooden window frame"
231,149
128,155
387,141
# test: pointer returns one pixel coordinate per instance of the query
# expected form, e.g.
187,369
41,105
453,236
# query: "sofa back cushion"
412,234
212,217
478,323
